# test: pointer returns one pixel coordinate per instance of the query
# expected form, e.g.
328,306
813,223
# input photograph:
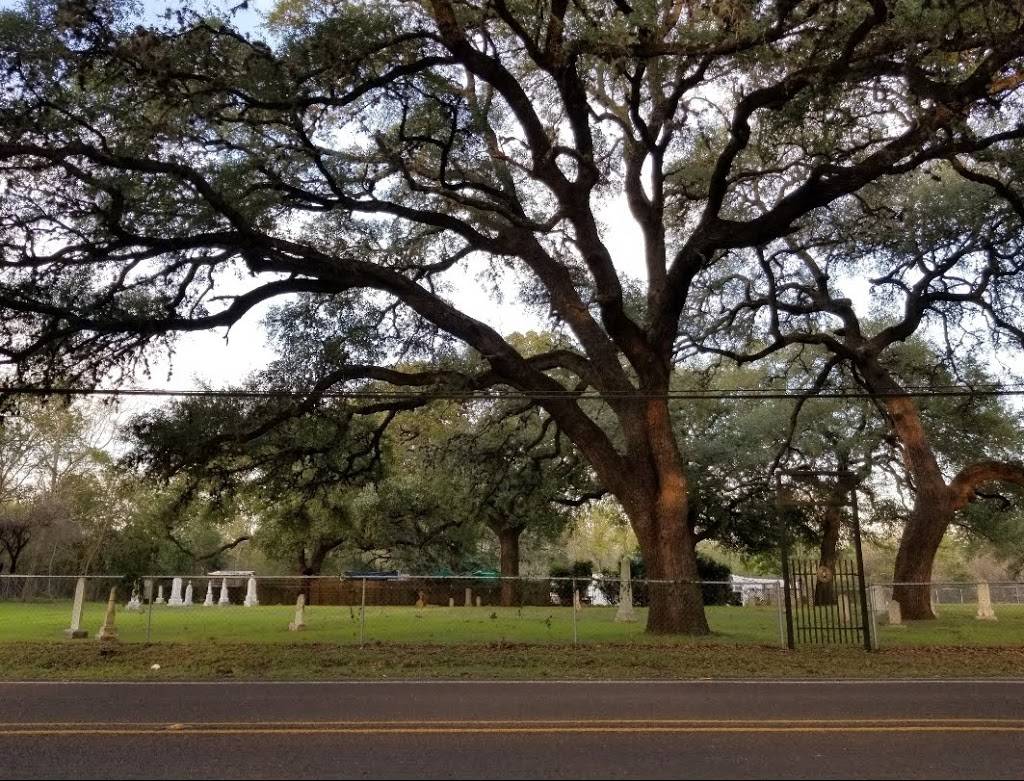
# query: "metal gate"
825,605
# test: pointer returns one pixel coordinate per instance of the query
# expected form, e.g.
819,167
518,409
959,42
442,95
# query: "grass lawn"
439,642
42,621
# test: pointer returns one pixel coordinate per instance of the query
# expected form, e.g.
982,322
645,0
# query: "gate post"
862,586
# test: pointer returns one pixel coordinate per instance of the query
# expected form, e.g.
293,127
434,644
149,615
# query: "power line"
713,394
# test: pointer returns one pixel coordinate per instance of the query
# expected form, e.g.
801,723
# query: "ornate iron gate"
825,605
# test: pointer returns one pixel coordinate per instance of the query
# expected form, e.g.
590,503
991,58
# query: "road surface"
965,729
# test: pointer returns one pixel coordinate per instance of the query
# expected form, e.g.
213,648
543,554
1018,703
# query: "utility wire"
723,394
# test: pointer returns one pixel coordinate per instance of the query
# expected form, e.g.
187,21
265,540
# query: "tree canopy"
168,177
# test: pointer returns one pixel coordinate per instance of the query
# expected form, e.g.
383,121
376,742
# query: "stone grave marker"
108,632
625,614
300,615
985,611
75,631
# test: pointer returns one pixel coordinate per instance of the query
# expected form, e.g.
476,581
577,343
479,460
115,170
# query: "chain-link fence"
395,608
954,593
375,608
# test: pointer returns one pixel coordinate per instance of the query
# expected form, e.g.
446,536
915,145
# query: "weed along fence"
381,608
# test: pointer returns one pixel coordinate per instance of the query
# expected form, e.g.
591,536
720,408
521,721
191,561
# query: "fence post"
574,635
874,618
362,615
147,591
781,616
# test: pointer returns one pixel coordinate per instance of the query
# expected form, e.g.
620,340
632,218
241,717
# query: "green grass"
28,622
493,643
45,621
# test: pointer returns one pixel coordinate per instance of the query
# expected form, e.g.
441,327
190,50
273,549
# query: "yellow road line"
514,730
347,723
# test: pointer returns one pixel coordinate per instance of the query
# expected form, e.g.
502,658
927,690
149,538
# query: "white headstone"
75,631
209,594
160,595
451,601
108,631
479,601
135,603
469,597
894,615
224,600
250,594
175,600
985,611
188,595
300,615
625,613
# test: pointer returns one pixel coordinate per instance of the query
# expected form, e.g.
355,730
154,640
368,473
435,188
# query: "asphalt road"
965,729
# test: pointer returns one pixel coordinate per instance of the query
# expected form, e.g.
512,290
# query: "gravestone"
469,597
250,594
300,615
160,595
893,614
985,611
479,601
175,600
451,601
188,595
208,602
224,599
108,632
625,614
75,631
135,603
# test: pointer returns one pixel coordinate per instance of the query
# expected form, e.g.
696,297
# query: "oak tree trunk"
915,556
828,553
933,509
508,541
675,606
668,544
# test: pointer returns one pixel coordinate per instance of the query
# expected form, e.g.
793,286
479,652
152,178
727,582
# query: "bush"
583,571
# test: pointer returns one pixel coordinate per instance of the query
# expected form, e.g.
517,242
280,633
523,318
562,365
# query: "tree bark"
667,542
676,604
915,556
508,541
935,500
935,506
828,552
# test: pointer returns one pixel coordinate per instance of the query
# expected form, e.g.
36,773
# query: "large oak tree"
161,179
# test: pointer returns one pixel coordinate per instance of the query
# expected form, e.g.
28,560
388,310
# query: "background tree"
935,254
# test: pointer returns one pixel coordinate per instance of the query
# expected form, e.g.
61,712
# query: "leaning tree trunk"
933,507
915,556
508,541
